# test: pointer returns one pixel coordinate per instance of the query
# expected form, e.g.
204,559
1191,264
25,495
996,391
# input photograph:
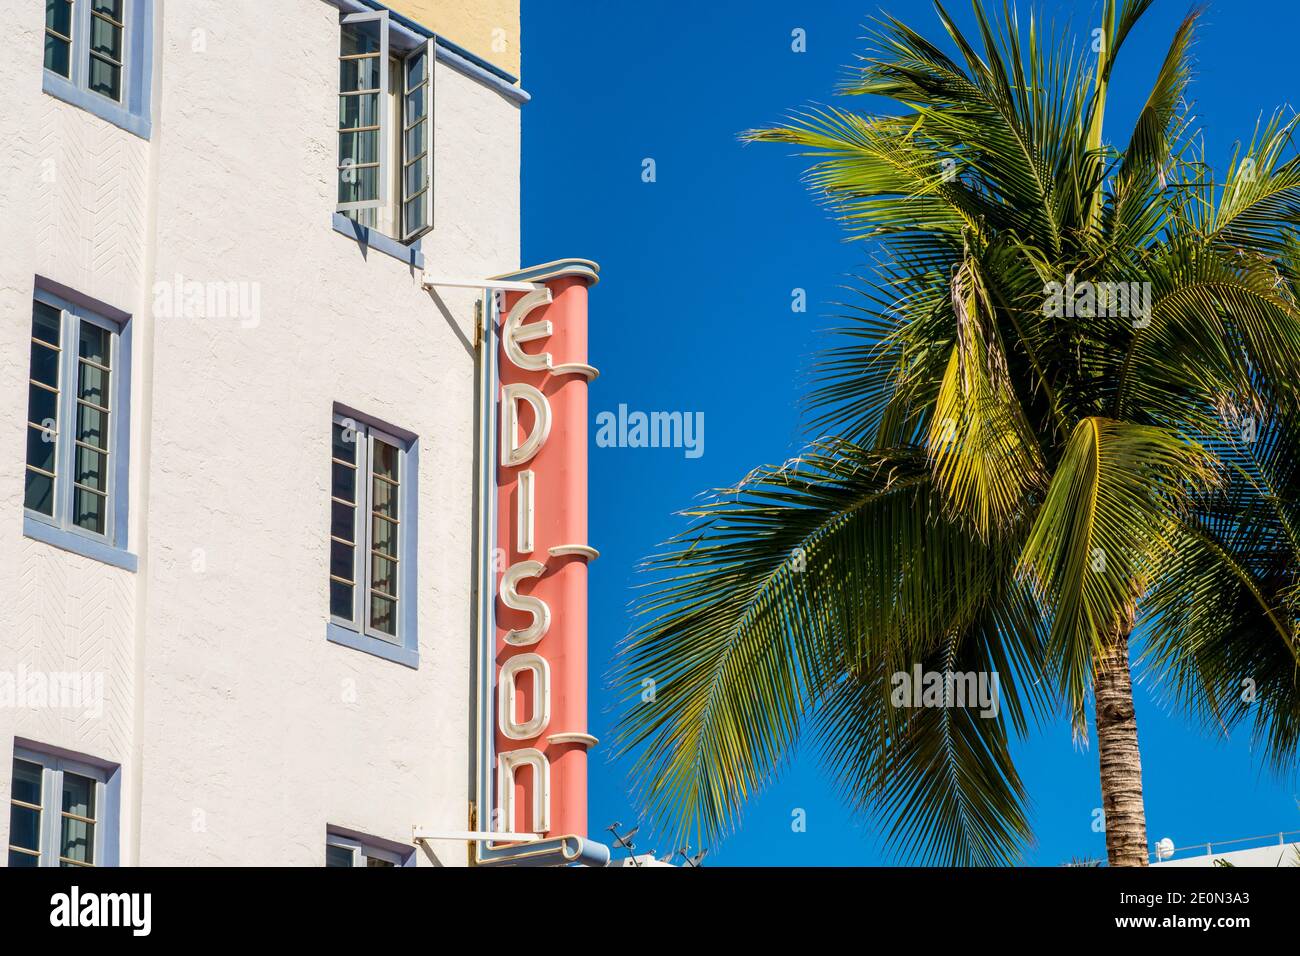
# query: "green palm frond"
836,563
1108,519
985,459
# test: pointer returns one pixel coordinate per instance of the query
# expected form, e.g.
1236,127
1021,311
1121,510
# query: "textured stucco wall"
489,28
74,208
254,733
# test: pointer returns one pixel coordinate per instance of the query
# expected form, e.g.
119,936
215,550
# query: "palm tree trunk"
1121,766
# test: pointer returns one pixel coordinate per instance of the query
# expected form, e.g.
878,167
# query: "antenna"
624,841
692,861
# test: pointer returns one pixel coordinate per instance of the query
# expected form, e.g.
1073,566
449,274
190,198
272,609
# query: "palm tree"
1062,417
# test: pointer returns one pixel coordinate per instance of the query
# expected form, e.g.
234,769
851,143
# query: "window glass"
77,840
337,855
90,475
384,533
25,814
106,28
43,408
343,522
360,96
58,37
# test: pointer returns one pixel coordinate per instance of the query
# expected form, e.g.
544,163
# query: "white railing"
1228,846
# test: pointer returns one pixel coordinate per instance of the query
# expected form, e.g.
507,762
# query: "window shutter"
363,111
417,143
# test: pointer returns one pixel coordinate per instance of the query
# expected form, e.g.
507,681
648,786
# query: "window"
106,48
62,810
346,848
58,37
98,55
372,538
77,429
385,166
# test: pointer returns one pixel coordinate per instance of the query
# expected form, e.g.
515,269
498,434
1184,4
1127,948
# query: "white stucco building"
221,395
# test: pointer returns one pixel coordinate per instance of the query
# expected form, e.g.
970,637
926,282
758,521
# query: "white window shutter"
355,160
417,143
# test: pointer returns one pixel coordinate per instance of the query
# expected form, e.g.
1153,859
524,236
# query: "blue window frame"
349,848
63,809
99,56
78,434
373,533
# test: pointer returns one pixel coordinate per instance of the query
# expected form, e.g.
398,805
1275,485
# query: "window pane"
45,365
92,468
337,855
58,56
27,781
24,827
105,78
45,322
415,69
414,176
78,795
25,822
356,148
374,861
385,539
383,614
92,426
58,29
359,109
341,560
385,458
358,183
38,494
384,498
111,7
362,74
413,214
341,600
415,104
94,343
77,836
344,483
106,38
58,16
43,407
77,841
345,443
92,385
360,38
342,521
383,574
89,510
40,448
415,144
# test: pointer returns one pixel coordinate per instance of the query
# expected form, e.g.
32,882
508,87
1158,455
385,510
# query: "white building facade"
238,511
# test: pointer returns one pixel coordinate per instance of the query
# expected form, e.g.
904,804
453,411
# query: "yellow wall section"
489,28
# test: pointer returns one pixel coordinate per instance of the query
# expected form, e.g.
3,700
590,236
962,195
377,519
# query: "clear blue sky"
693,314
